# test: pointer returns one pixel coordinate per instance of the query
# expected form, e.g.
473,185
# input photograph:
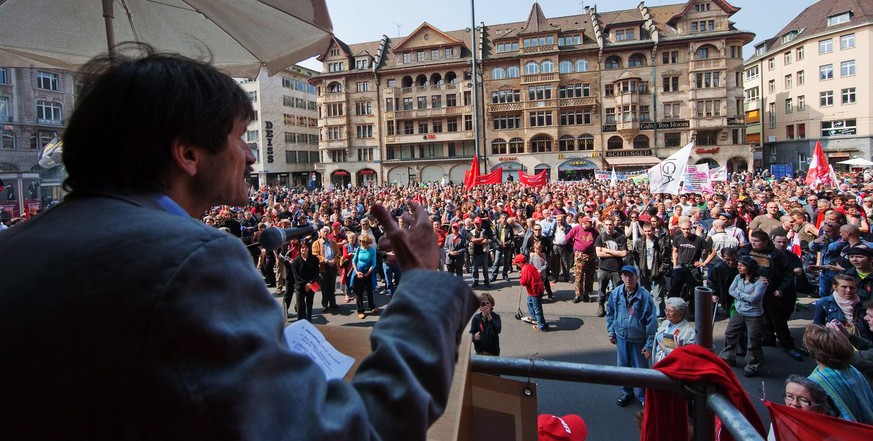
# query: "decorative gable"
424,37
335,50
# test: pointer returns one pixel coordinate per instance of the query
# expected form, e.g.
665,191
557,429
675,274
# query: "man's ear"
187,157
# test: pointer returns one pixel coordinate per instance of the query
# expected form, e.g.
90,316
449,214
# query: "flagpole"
475,78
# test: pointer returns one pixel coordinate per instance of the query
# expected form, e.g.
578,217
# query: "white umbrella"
857,162
240,35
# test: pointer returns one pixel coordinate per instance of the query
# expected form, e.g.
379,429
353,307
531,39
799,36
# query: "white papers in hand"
303,338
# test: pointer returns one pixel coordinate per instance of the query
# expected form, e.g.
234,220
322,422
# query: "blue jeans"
825,281
501,257
480,261
390,273
631,355
535,309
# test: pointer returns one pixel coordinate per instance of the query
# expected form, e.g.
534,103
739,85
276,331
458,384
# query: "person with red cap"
566,428
533,282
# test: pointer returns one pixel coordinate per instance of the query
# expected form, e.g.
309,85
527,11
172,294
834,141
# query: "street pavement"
577,335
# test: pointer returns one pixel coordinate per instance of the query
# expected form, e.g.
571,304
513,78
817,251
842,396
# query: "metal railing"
703,400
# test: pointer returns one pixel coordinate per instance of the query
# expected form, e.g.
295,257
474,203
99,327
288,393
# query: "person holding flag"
820,173
667,175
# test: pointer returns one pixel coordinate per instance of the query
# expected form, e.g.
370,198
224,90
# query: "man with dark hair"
611,248
154,325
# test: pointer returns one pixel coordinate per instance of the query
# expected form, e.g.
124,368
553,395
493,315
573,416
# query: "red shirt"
531,279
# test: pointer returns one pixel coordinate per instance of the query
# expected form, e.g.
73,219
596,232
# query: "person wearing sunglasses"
485,327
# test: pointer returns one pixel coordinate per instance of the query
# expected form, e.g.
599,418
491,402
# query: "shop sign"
610,128
735,121
681,124
579,156
507,158
712,151
618,153
268,135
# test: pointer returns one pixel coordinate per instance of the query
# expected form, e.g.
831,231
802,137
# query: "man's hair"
827,346
132,109
845,278
760,235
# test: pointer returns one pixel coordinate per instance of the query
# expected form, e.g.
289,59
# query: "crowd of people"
757,242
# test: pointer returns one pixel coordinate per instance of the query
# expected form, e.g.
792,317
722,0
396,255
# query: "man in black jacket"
780,297
652,255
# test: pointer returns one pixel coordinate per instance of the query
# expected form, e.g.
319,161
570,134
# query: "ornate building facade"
565,95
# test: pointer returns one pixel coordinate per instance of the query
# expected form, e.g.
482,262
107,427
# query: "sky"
355,24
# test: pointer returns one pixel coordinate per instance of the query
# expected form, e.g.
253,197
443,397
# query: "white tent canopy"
857,162
238,35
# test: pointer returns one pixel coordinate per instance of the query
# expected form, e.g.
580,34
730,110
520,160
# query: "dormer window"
624,34
839,18
703,26
789,36
334,52
761,50
701,7
362,63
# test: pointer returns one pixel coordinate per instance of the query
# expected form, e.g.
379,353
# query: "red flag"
819,169
537,180
790,424
795,245
495,177
471,178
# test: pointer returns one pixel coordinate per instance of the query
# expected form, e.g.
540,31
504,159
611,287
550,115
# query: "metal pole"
702,419
732,419
474,76
108,16
703,316
577,372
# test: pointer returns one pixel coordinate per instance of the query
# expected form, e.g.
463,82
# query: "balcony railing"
335,97
539,49
49,122
539,78
431,113
708,64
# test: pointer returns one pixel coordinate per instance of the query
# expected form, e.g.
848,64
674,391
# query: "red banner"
495,177
792,424
537,180
471,177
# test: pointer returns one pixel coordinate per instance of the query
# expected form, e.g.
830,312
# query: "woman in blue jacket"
364,277
748,290
844,306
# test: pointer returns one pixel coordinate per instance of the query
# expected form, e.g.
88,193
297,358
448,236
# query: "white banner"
697,179
718,174
665,177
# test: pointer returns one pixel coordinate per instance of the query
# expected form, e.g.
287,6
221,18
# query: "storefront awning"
632,160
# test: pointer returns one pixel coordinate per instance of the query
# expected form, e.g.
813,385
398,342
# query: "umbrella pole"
108,16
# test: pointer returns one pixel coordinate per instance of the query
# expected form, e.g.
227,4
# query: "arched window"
547,66
531,67
451,78
566,143
582,65
512,72
636,60
565,66
334,87
586,142
498,73
641,142
612,63
421,81
540,144
406,81
498,147
436,79
615,143
705,51
516,145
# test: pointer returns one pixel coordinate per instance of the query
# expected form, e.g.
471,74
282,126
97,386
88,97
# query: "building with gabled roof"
565,95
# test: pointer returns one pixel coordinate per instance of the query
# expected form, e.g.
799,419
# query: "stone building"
564,95
810,82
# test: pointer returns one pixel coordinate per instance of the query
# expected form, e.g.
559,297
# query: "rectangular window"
771,86
434,54
452,125
826,98
407,57
3,76
389,104
536,93
672,139
826,72
752,73
407,103
801,78
450,51
847,68
706,80
451,100
252,136
789,105
644,114
787,57
46,80
436,102
468,123
847,41
801,131
669,57
48,112
540,119
437,126
4,109
422,103
390,128
408,128
789,82
362,86
610,115
789,131
839,127
422,127
707,137
800,53
8,139
671,110
771,63
505,122
708,108
825,46
671,84
573,118
839,18
801,102
771,110
364,108
608,90
847,96
752,94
